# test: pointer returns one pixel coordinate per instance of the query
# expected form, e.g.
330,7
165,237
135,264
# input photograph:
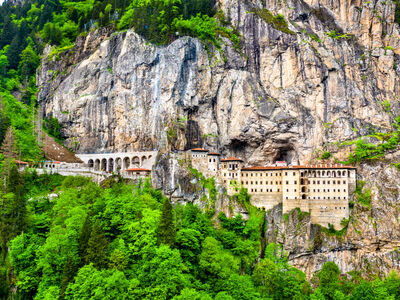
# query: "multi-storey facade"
323,190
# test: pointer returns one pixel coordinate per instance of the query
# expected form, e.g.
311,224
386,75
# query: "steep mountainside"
290,92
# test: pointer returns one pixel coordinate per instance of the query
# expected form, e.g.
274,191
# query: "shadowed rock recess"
284,97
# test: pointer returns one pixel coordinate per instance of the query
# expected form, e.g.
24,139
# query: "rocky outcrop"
283,97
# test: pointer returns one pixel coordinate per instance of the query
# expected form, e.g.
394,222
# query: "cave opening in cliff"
238,147
285,154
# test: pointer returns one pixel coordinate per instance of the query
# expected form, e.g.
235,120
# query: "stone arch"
97,164
319,173
143,160
303,196
118,164
110,165
126,163
136,162
104,164
323,173
333,174
303,189
90,163
344,173
328,173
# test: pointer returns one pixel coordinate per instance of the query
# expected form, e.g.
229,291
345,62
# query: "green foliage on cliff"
278,22
371,151
162,21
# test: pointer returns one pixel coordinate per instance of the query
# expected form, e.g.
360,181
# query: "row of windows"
231,175
319,198
199,155
261,190
262,182
327,198
326,190
231,166
326,173
211,160
328,182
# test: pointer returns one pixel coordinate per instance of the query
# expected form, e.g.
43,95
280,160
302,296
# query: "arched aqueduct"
117,162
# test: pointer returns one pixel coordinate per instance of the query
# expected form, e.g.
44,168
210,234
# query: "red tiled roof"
320,166
20,162
259,168
137,170
199,150
213,153
231,159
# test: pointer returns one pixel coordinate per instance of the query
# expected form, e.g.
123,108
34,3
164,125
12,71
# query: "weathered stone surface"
284,98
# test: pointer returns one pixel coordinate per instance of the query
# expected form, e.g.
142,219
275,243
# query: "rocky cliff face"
284,97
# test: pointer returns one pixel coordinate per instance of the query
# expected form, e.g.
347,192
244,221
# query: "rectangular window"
287,182
294,173
285,173
295,182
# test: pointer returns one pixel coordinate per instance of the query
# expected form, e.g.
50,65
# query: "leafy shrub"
278,22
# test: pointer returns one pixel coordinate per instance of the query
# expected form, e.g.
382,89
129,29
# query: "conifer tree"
8,148
166,229
12,204
84,239
96,251
69,272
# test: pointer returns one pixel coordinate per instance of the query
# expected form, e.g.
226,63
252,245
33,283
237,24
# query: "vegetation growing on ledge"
209,185
278,22
363,195
368,151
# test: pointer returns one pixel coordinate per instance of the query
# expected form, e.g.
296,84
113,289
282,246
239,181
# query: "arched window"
126,163
90,163
344,173
111,165
104,164
136,162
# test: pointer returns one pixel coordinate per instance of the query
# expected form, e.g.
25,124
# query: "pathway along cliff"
289,94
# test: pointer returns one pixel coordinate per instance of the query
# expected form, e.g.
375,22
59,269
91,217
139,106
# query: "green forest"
69,238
